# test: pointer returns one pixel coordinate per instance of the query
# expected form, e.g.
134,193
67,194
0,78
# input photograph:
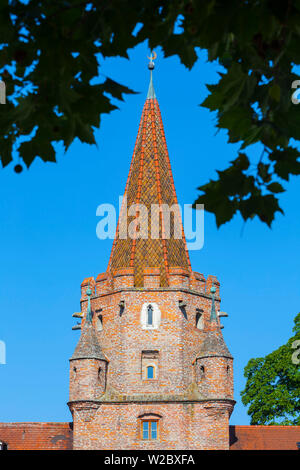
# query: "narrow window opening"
199,319
150,372
122,307
182,307
150,315
99,373
99,323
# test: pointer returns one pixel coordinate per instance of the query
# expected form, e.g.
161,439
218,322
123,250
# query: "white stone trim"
156,316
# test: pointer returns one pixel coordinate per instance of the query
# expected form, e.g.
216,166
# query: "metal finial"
213,314
152,57
89,311
151,92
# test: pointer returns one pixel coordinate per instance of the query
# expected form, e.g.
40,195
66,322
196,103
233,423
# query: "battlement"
123,278
198,282
103,283
151,277
210,281
88,282
179,277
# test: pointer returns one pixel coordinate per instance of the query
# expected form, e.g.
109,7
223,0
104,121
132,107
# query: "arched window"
150,372
150,315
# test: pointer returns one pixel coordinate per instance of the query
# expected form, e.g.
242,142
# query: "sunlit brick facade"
151,369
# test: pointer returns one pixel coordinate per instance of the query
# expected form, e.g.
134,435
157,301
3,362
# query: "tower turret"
214,371
88,365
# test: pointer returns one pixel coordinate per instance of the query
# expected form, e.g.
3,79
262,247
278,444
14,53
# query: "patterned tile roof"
150,181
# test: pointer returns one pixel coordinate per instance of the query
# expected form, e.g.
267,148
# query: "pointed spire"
150,182
214,345
151,93
88,346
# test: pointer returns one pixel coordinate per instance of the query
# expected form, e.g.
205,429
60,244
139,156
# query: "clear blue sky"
49,244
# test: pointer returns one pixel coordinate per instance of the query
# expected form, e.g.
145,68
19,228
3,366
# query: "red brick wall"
37,436
177,339
58,436
181,426
217,380
84,380
110,421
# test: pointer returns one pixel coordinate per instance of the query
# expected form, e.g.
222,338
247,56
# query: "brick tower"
151,369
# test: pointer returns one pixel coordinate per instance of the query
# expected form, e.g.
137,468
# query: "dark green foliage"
49,54
273,384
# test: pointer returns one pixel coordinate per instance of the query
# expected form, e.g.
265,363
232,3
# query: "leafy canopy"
273,384
49,55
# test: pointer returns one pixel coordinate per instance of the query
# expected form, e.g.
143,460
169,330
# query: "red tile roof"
264,437
59,436
37,436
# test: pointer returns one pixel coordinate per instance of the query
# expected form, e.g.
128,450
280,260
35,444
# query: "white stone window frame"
156,318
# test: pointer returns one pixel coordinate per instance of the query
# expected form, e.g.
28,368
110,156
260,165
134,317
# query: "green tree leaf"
52,52
275,188
274,92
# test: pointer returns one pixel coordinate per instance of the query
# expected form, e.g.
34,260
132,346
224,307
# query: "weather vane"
152,58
